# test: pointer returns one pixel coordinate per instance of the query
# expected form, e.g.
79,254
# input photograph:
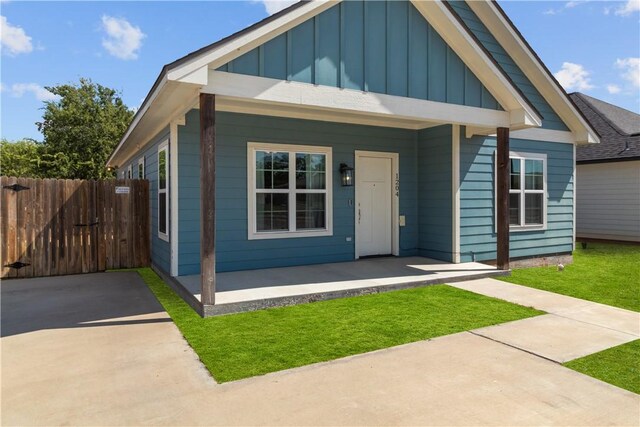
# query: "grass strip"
243,345
619,366
604,273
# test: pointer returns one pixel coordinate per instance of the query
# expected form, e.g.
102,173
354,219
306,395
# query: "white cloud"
19,89
628,8
13,39
630,70
273,6
574,77
613,89
567,5
123,39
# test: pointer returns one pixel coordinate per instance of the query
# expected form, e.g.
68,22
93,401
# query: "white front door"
374,204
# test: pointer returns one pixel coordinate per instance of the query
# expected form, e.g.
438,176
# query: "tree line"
80,129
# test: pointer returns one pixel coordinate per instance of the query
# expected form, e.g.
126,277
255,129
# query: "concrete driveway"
98,350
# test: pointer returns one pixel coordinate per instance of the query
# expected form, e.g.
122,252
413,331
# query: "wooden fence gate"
52,227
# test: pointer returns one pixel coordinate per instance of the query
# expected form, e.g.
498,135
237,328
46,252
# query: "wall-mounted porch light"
346,174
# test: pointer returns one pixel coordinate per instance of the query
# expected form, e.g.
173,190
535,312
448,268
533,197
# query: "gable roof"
619,131
180,81
511,39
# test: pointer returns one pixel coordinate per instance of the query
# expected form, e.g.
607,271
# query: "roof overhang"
176,89
516,46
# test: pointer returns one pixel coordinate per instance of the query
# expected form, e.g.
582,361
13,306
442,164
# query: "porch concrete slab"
252,285
614,318
556,338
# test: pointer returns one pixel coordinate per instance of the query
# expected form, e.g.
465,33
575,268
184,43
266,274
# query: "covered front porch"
249,290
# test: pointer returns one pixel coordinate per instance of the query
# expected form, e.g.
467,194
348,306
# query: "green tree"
21,158
81,128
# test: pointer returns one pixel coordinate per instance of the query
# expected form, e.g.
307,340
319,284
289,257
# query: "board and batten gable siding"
160,249
550,120
375,46
233,249
477,213
608,201
434,192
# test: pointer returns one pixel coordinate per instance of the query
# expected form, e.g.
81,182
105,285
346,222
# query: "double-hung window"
163,182
289,191
527,191
141,168
129,172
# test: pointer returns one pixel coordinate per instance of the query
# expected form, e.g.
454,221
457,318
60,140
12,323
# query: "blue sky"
593,46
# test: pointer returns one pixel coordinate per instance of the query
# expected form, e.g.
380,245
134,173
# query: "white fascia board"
137,118
545,135
245,106
352,101
442,20
532,134
533,69
245,43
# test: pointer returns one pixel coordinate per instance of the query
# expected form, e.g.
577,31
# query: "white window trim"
544,191
129,174
164,146
141,163
252,233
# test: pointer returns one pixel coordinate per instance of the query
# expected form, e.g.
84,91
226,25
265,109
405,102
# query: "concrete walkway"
99,350
573,328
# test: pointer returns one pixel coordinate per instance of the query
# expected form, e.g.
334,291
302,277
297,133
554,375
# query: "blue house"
338,130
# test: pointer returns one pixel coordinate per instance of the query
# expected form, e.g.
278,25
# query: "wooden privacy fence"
52,227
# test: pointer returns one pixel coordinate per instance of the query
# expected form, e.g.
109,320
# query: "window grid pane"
533,208
533,174
162,169
310,211
272,170
310,171
272,211
162,213
514,209
514,174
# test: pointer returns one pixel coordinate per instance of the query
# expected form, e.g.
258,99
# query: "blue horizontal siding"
375,46
434,192
550,120
189,195
160,249
233,249
477,213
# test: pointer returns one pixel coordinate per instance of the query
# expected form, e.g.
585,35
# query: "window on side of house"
527,191
141,168
163,198
130,172
289,191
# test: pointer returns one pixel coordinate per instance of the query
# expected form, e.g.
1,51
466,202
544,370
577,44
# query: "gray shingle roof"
619,131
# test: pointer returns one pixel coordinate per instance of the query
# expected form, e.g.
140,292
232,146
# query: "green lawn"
619,366
604,273
248,344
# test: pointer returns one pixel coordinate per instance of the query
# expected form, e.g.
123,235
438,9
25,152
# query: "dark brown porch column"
502,204
207,198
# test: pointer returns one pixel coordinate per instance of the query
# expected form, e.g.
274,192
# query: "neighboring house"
409,94
608,181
